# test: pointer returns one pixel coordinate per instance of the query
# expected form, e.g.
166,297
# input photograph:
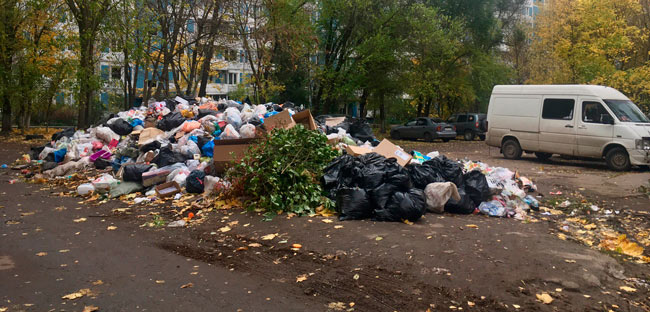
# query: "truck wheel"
543,156
511,149
469,135
428,137
395,135
618,159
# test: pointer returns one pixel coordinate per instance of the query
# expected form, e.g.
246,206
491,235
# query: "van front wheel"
618,159
511,149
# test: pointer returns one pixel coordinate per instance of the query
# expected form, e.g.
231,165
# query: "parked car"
469,125
570,120
428,129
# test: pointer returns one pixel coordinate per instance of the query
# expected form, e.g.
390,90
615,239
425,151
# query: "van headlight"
643,144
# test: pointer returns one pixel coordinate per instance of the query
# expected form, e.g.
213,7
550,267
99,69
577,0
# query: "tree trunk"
85,73
205,70
382,113
427,109
363,103
420,105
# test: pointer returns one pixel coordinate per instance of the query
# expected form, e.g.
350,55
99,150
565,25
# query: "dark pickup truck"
469,125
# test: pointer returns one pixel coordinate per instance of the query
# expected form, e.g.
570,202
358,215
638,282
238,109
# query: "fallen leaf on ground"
516,306
78,294
188,285
64,250
90,309
561,236
338,226
569,261
160,281
590,226
407,222
545,298
3,309
628,289
337,306
254,245
269,236
111,228
327,220
79,220
355,277
473,226
98,282
471,304
296,246
301,278
378,238
224,229
42,253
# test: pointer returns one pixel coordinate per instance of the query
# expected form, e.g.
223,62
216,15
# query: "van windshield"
626,111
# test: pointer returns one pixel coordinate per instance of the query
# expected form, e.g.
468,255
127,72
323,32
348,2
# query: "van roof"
593,90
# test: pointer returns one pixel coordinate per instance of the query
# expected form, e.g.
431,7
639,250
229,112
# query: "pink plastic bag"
191,125
100,154
97,145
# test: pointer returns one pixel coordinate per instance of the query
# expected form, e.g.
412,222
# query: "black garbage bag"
464,206
171,104
353,204
35,151
447,168
360,129
171,121
372,173
288,104
255,121
152,146
102,163
206,112
133,172
332,173
403,206
167,157
121,127
423,175
202,140
476,186
277,108
222,107
69,132
194,182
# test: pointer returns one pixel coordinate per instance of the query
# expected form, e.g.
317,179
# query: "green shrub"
283,172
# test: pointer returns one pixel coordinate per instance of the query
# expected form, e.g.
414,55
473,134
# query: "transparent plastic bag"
247,131
229,133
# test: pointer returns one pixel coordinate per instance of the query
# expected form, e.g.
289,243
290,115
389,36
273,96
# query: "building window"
561,109
104,70
116,73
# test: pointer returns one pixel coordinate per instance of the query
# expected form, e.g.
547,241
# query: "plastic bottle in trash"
85,189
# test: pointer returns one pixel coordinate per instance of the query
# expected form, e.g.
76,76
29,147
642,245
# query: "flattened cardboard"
357,150
281,120
148,135
222,156
390,150
306,119
333,121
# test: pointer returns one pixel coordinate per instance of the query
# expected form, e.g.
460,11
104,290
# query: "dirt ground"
236,261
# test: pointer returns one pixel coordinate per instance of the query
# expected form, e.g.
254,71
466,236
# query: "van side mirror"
606,119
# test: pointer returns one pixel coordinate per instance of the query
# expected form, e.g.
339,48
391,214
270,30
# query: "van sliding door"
557,128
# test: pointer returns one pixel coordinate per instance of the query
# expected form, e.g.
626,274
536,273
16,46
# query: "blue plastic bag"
194,138
136,122
208,149
59,155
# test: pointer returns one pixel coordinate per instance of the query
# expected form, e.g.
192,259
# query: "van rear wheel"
618,159
543,156
469,135
511,149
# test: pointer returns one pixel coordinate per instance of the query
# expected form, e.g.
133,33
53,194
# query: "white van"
575,120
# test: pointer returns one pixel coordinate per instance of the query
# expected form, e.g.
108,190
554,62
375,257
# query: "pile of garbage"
370,185
160,149
342,132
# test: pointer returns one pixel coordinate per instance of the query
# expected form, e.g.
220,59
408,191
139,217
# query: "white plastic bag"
247,131
46,151
229,133
437,195
105,134
233,117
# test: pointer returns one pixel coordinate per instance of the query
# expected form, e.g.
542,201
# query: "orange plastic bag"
190,126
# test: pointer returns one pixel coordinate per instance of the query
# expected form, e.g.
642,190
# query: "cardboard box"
390,150
149,135
284,120
227,151
167,189
306,119
357,150
280,120
154,177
